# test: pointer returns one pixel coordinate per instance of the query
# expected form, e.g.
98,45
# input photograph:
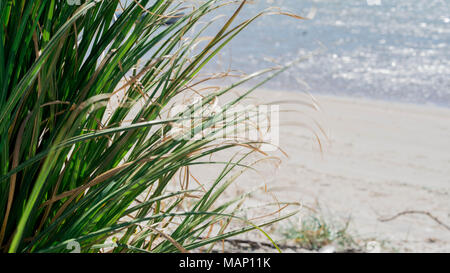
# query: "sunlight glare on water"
397,50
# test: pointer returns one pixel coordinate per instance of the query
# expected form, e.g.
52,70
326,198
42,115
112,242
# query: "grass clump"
74,172
314,233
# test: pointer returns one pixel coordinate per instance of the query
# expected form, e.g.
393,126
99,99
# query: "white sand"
381,158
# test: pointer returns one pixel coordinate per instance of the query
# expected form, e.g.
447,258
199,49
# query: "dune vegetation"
77,173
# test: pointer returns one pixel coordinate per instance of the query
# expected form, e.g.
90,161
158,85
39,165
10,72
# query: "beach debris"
415,212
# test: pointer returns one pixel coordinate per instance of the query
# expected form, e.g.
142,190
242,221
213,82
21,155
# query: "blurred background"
398,50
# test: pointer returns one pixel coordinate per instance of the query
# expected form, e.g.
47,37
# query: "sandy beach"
378,159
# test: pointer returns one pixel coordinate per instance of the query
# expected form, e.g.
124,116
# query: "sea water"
389,50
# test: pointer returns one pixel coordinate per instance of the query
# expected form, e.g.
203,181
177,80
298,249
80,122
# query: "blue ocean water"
398,50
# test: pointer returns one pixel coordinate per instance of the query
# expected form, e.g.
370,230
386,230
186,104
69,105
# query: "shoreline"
345,97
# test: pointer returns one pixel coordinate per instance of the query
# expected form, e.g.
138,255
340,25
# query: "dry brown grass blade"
102,177
170,239
271,214
198,182
99,179
139,75
12,185
291,15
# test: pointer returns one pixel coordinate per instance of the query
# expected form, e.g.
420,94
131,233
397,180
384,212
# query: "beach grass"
76,174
